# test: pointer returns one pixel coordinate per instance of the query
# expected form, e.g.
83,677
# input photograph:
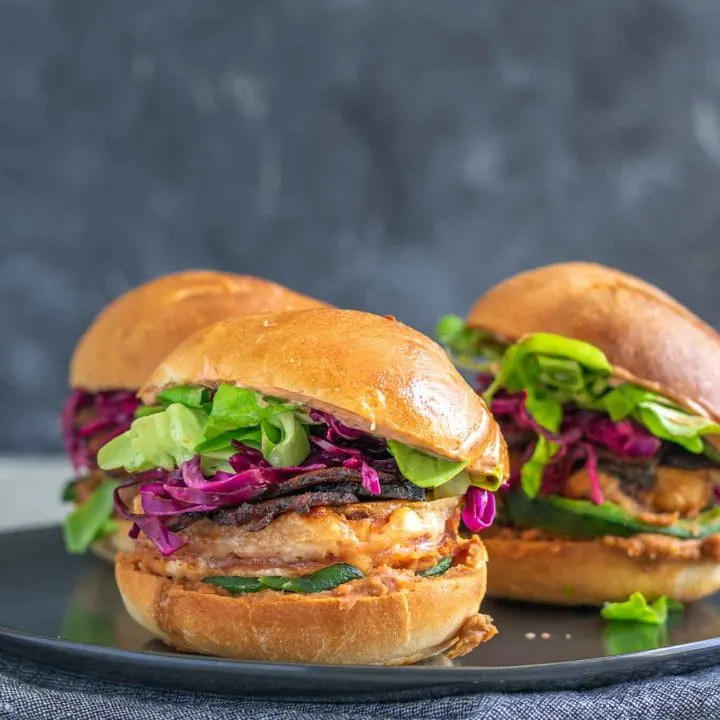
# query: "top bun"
648,337
371,372
135,332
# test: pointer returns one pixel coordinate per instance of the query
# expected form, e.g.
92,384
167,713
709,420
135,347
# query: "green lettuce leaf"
549,365
553,370
623,400
191,396
90,521
216,453
471,348
561,373
452,332
677,426
431,471
636,608
421,469
559,346
163,440
144,410
662,417
211,462
193,425
546,410
252,437
170,436
284,440
234,407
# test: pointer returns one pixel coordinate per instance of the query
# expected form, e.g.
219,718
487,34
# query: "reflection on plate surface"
80,603
75,599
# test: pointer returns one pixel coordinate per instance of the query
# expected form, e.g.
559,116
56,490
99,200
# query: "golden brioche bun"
651,340
588,572
119,541
135,332
372,372
393,629
649,337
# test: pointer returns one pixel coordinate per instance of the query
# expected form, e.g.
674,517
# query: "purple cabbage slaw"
479,511
167,496
583,434
113,413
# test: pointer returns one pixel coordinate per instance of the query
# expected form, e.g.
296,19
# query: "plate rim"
168,670
667,652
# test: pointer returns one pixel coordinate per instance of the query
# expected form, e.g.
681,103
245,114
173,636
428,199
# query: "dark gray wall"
398,156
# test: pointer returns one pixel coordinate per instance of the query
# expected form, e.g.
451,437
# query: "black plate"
65,612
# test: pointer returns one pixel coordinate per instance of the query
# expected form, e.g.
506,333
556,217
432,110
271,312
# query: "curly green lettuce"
637,609
187,422
553,371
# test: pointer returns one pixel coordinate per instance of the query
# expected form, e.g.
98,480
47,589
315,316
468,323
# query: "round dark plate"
65,612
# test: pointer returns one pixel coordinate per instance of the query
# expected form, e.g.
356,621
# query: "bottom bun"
591,572
118,541
404,626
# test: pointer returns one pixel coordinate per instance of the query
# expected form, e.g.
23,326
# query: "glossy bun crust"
649,337
135,332
372,372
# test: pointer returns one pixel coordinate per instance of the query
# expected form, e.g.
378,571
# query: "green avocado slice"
584,520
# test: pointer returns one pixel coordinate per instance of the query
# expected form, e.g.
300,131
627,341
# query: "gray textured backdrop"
398,156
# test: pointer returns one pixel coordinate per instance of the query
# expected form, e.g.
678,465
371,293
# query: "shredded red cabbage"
370,479
479,511
582,434
166,495
171,500
513,406
108,412
162,537
153,524
327,455
337,430
625,438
